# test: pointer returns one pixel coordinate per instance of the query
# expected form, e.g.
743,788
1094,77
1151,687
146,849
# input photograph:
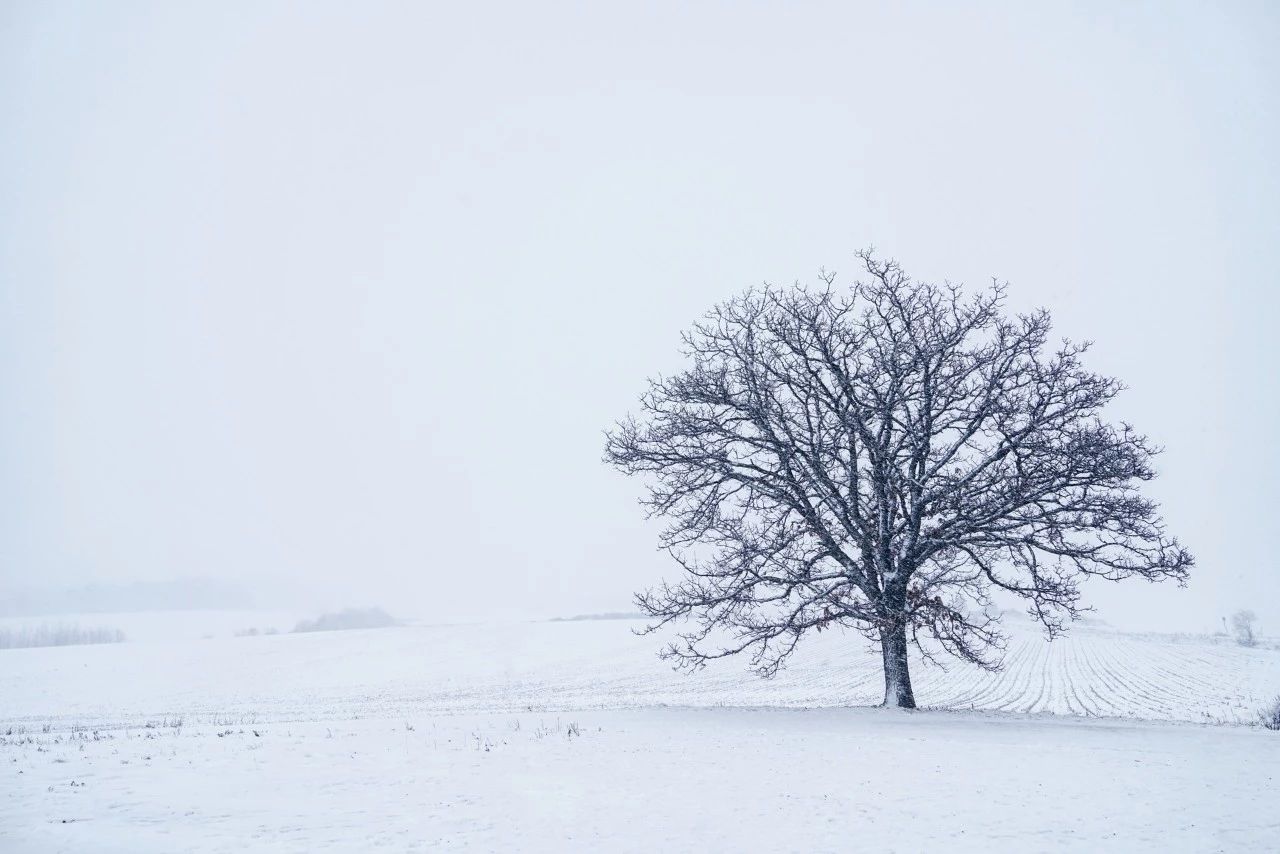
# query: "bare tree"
882,457
1242,627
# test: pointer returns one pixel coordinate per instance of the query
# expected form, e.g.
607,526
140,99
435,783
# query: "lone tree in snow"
1242,627
882,457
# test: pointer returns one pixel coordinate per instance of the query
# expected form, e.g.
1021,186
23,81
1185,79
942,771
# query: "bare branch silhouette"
881,457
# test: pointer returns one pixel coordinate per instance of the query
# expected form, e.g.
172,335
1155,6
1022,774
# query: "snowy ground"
599,665
547,736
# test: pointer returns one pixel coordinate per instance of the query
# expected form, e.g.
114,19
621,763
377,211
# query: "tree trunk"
897,677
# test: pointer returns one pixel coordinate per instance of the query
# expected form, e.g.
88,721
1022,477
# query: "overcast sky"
335,300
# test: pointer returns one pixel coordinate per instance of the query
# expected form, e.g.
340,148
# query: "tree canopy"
883,456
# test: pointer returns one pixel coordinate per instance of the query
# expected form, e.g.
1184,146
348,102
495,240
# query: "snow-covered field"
547,736
600,664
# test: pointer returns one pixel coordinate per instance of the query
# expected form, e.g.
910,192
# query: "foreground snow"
647,780
554,736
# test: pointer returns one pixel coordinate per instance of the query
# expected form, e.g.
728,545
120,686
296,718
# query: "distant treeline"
608,615
351,618
57,635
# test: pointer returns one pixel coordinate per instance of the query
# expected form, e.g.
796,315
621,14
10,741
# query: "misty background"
323,304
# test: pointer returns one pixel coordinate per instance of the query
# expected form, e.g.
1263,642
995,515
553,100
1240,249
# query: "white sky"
335,300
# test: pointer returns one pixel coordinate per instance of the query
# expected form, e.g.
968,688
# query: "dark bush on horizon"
351,618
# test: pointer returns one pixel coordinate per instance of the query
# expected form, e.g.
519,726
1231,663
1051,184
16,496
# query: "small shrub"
1270,715
351,618
1242,627
254,631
